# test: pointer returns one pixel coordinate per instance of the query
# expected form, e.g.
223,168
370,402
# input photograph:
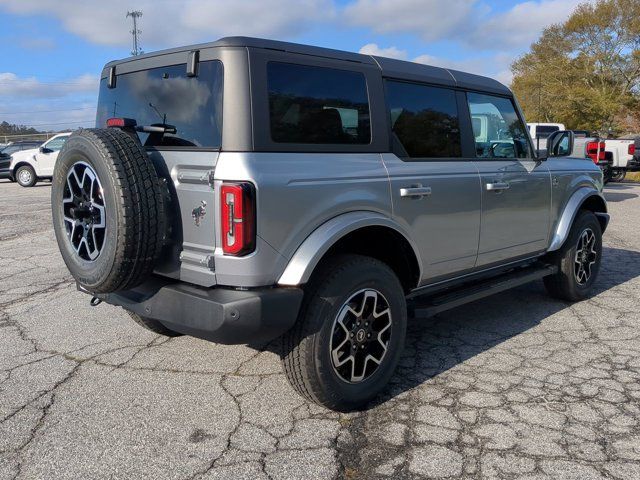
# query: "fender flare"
315,246
569,214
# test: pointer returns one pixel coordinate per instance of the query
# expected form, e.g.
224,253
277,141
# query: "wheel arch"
583,199
364,233
19,164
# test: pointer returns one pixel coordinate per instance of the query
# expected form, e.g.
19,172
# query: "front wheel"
26,176
349,334
578,260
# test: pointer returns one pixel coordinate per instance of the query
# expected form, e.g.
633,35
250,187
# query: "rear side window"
498,131
424,120
317,105
165,95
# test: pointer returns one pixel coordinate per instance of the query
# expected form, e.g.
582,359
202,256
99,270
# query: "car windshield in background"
166,96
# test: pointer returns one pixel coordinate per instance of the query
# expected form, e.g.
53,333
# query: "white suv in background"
29,166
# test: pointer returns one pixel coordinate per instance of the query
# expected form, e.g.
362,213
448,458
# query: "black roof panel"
389,67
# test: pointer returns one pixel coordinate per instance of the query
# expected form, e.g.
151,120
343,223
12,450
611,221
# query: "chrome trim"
418,191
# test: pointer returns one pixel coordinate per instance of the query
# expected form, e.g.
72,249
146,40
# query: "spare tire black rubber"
111,231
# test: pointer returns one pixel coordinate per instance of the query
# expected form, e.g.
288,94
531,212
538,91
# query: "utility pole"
135,15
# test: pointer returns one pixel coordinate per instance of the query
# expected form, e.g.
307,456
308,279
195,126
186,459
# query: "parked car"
29,166
9,150
541,131
634,163
268,189
622,152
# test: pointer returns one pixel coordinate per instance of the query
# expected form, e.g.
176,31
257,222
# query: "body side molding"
307,256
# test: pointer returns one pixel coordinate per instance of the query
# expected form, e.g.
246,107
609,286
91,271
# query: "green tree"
585,72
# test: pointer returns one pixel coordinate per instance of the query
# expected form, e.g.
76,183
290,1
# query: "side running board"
424,307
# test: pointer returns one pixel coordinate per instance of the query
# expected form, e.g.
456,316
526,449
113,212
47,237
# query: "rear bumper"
216,314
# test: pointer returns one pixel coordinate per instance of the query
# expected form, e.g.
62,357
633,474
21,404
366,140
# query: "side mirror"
560,143
45,150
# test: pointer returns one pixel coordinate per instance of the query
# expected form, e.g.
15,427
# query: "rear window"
165,95
424,119
544,131
317,105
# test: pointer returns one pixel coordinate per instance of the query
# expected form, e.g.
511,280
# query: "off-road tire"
33,179
563,284
134,209
153,325
306,347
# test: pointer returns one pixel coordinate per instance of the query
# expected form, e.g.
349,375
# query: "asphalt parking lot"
514,386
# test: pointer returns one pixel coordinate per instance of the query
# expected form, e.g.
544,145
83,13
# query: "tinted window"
498,131
543,131
424,119
317,105
193,105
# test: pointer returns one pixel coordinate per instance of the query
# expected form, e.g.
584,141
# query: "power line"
61,123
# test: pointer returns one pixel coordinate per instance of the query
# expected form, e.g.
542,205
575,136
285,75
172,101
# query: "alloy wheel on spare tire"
108,210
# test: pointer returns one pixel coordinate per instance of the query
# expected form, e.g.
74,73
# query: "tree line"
585,72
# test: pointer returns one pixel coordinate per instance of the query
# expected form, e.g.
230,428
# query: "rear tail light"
238,218
632,149
596,151
592,151
121,122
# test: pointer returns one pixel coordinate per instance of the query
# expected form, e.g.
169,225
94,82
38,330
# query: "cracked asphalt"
514,386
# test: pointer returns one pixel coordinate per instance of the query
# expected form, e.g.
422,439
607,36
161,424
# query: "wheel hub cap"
586,256
84,211
360,335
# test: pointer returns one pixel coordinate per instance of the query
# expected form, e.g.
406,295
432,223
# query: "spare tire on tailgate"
108,210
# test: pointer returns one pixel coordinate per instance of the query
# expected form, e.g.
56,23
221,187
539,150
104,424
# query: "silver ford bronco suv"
247,189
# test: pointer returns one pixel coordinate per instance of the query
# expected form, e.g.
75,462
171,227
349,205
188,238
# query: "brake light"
632,149
121,122
237,204
592,151
602,152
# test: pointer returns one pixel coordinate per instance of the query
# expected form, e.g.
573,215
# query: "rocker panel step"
429,306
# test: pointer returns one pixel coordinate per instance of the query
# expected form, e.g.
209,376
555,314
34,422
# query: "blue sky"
53,51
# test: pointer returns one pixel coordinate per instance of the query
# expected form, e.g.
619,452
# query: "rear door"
190,107
516,188
435,186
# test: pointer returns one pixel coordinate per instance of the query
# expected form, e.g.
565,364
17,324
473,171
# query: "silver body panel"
456,214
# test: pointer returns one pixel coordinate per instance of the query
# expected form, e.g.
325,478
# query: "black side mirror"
560,143
45,150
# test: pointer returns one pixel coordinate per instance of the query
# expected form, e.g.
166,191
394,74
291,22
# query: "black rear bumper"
220,315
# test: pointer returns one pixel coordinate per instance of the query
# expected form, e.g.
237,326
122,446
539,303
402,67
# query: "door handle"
497,186
415,192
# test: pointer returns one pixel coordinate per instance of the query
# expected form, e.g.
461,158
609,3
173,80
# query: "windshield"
167,96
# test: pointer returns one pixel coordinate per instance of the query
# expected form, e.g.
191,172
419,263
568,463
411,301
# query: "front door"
435,191
47,155
516,188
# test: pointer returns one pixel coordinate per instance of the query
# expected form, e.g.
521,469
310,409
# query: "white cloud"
390,52
13,86
171,23
431,19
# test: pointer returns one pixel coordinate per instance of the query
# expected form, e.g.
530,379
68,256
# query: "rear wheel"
618,175
26,176
153,325
578,260
349,335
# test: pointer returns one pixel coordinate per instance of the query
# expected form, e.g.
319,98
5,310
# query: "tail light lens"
602,152
592,151
632,149
238,208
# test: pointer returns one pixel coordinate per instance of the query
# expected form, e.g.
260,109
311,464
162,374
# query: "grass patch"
633,176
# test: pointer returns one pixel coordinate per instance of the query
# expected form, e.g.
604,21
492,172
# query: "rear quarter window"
166,95
317,105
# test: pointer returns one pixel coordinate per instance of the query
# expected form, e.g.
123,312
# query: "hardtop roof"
389,67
